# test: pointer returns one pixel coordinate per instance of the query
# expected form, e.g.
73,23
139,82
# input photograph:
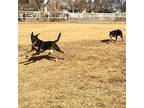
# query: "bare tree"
105,5
123,6
82,5
23,1
75,5
41,4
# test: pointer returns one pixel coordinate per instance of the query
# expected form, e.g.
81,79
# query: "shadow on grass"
37,58
108,41
105,40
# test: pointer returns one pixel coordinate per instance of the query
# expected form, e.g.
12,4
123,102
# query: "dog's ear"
32,34
37,34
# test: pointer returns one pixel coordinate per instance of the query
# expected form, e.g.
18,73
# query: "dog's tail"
58,37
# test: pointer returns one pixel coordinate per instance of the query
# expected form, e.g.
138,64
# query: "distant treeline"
104,6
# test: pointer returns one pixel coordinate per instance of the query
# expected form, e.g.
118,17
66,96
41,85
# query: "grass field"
91,75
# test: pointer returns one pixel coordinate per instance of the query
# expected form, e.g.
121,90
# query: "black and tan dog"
41,46
115,33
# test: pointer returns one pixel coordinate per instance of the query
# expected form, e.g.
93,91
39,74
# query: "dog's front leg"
32,49
116,37
29,57
37,53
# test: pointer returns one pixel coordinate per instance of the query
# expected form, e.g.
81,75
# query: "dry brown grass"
92,74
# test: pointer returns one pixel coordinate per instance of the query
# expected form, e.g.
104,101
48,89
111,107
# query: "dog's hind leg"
56,47
54,56
116,37
121,35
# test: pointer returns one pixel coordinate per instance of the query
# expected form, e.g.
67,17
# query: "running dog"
41,46
116,33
